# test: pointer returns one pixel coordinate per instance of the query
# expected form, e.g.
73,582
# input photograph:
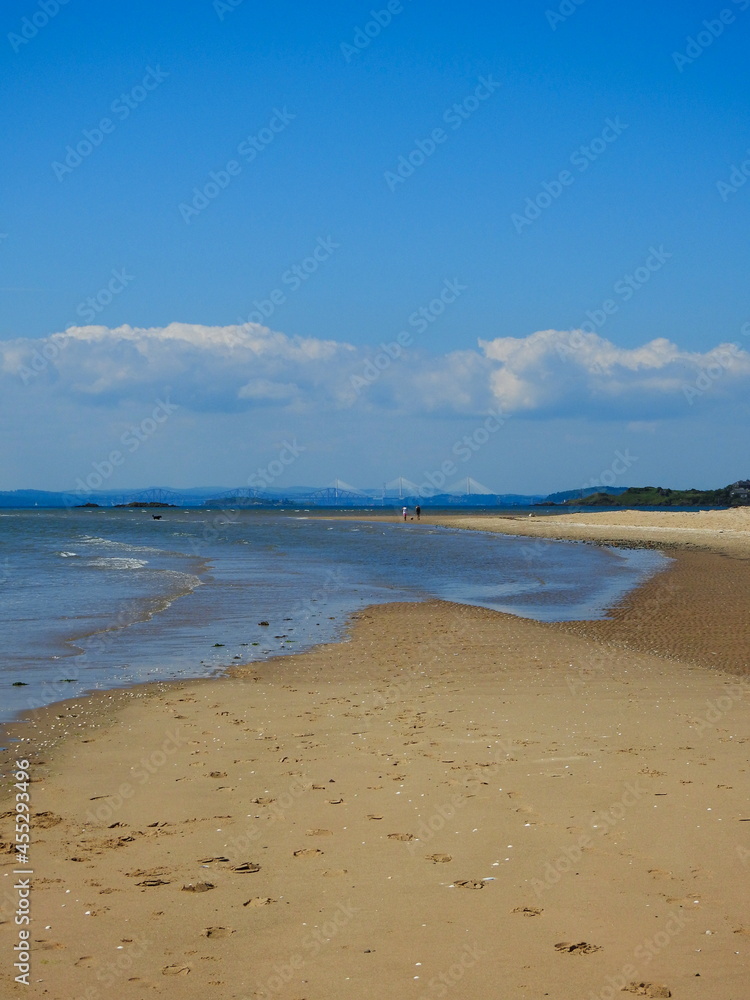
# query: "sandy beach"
726,531
453,802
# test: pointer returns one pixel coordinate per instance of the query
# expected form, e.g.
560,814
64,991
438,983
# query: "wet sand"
453,802
696,611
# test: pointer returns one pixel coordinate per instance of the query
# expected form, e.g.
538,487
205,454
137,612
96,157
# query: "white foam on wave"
117,562
110,543
67,555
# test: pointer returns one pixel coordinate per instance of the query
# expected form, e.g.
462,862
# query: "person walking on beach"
404,511
418,512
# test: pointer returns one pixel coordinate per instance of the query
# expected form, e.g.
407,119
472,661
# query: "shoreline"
376,781
726,530
77,647
719,531
693,611
655,598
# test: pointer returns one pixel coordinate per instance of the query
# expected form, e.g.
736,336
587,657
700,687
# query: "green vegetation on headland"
657,496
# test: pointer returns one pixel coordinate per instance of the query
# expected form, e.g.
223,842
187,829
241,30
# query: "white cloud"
234,368
571,372
207,368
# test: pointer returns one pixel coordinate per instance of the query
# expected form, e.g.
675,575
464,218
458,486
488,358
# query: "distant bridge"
339,492
335,493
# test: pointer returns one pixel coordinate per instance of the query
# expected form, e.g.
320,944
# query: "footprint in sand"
246,868
334,802
648,989
45,820
373,816
308,852
217,932
528,911
660,873
401,836
319,833
175,970
149,882
469,884
439,859
198,887
85,962
259,901
581,948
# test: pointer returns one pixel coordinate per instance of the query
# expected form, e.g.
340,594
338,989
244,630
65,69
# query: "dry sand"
452,803
726,531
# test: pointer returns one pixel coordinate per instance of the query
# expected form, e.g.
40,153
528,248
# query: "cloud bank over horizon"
213,369
187,404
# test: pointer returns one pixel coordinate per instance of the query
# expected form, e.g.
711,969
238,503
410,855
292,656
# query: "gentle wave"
117,562
67,555
110,543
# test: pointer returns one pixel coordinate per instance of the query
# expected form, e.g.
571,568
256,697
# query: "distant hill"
576,496
24,499
220,497
31,498
658,496
273,498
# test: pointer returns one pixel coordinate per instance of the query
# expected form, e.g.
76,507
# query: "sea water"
103,598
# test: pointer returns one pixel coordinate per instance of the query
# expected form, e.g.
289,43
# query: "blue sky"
560,166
